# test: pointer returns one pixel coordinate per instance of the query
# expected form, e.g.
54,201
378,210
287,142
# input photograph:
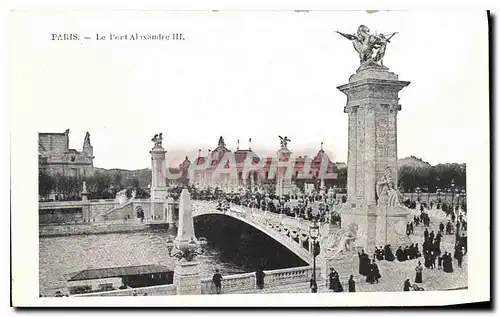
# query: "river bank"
61,230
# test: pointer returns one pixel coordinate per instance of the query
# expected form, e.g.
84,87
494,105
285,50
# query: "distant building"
55,156
259,169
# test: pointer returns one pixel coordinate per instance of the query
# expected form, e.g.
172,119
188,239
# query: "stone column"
185,231
187,273
372,104
158,181
86,212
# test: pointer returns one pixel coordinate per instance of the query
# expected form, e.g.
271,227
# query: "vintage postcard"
249,158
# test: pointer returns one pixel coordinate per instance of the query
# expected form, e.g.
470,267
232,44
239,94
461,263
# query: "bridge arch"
287,242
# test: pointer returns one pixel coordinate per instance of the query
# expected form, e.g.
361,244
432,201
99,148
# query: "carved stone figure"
386,192
221,142
370,47
157,139
393,196
284,141
341,242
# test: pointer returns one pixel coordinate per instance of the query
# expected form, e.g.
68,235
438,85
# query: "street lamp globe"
192,244
170,244
202,241
314,231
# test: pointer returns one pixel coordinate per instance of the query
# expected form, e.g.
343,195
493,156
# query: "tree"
46,183
118,180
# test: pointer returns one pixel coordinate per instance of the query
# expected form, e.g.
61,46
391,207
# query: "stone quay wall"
142,291
90,228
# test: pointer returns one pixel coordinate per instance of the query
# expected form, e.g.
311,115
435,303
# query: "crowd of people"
320,208
309,206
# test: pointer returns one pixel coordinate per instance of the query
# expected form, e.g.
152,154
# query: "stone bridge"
291,232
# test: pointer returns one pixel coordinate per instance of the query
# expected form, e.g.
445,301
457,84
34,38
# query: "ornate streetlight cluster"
314,234
419,192
187,252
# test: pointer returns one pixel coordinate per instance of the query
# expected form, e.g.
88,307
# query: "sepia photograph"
264,154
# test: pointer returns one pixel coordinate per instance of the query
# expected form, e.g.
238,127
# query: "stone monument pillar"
372,107
158,179
283,175
185,231
86,213
187,273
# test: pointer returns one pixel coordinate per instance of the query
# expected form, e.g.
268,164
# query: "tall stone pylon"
372,198
158,179
187,273
185,231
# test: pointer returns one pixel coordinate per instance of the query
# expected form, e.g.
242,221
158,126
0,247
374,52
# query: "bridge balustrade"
233,284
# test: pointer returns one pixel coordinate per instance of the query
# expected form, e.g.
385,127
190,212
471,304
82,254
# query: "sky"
244,75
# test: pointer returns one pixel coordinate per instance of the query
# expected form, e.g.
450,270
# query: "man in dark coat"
447,263
352,284
431,236
217,281
441,227
448,227
388,253
407,285
259,275
463,242
379,254
374,272
406,252
400,255
364,262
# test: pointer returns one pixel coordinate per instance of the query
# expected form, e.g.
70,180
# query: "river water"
233,247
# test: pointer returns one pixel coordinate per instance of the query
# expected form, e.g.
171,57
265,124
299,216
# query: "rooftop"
92,274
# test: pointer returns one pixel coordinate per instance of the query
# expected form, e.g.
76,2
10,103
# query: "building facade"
244,167
56,158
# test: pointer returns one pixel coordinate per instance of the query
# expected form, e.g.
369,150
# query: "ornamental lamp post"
463,194
418,191
452,194
428,196
314,234
187,252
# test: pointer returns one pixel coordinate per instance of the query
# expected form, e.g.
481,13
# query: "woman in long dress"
337,286
331,278
418,275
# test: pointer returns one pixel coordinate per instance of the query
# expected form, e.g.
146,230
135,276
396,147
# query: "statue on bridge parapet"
284,141
157,139
370,47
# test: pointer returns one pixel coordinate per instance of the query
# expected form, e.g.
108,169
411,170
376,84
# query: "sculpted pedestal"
187,278
378,226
